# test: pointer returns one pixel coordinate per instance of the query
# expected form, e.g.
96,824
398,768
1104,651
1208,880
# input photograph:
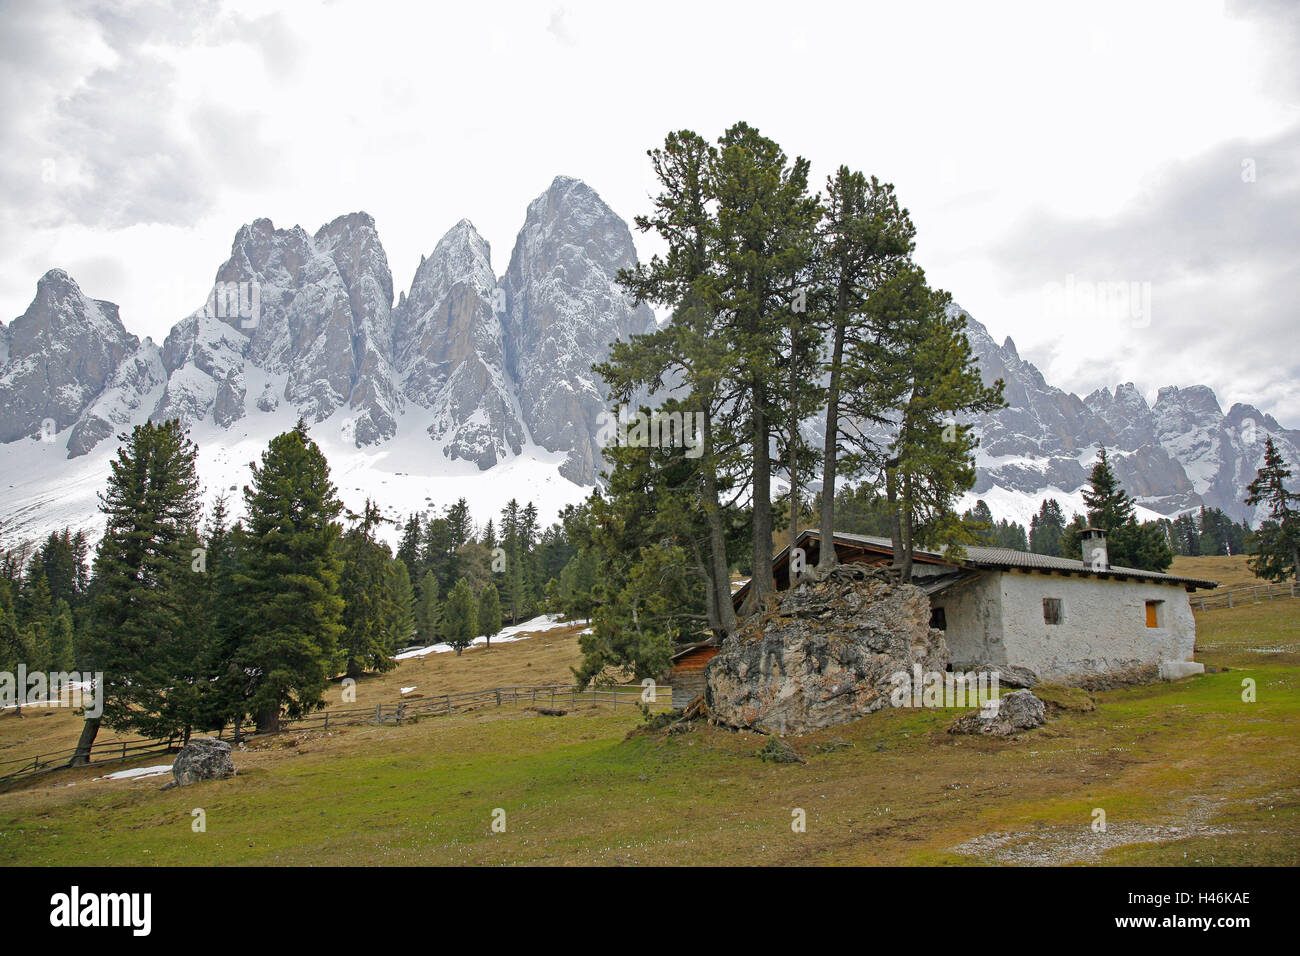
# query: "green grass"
579,789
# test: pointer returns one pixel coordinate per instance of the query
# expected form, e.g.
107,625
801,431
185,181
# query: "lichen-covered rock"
1014,712
827,655
203,758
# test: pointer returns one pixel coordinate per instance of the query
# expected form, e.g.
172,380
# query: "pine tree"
226,698
36,617
1109,505
289,580
764,226
403,622
1277,544
428,612
367,589
1046,529
931,462
408,551
575,591
979,523
63,655
1111,510
142,631
460,617
15,642
13,648
511,543
489,613
459,524
689,348
865,239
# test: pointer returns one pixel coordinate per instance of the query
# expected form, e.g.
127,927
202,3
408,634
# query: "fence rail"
1251,594
554,696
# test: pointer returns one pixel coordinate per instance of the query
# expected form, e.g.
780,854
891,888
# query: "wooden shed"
687,675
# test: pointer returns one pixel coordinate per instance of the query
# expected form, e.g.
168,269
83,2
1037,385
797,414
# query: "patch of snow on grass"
543,622
138,773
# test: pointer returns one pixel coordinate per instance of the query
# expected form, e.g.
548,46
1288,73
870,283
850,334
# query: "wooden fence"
114,751
554,696
1251,594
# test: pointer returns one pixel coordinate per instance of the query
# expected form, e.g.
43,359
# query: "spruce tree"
1046,529
489,613
1111,509
225,699
428,611
142,630
1109,505
367,587
1277,543
403,605
289,580
460,617
408,551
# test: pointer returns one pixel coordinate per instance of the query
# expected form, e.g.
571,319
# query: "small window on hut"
938,619
1051,610
1155,611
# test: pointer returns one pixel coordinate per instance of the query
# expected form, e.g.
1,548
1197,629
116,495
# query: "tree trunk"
720,571
826,556
268,719
710,592
794,489
761,587
906,566
896,529
89,730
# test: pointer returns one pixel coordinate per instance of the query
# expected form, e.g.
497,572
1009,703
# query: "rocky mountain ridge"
467,372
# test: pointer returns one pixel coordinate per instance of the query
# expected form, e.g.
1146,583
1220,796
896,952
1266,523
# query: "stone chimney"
1095,555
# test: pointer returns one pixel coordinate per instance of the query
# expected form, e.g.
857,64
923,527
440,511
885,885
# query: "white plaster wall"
974,614
999,620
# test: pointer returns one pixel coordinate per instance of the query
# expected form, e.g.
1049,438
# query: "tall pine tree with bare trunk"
865,239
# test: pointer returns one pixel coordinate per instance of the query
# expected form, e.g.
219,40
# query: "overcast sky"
1038,146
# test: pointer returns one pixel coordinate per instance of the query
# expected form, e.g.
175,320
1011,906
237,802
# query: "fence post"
379,713
1230,599
448,696
498,696
327,720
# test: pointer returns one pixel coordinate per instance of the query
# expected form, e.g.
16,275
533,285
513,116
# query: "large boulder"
203,758
1013,713
828,654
